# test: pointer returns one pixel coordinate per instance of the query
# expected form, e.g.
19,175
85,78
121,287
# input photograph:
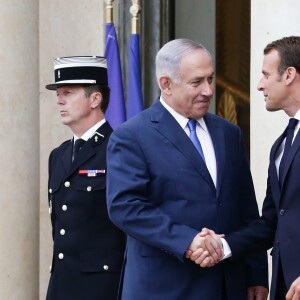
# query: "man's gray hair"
169,57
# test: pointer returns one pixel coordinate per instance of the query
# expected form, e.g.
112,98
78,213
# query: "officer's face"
75,107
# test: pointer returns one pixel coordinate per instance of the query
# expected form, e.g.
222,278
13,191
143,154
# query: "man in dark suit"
277,228
88,248
164,186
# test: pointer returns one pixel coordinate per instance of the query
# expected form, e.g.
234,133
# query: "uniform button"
60,255
50,268
62,232
282,211
89,188
64,207
105,267
67,183
50,191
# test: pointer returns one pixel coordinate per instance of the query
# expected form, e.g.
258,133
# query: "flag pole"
109,11
115,113
135,10
134,94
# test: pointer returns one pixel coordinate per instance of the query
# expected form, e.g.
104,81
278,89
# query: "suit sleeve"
259,234
129,206
254,251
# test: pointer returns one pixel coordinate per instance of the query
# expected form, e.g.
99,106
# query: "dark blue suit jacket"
161,194
278,225
88,254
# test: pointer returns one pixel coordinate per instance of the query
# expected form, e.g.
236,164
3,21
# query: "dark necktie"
194,138
288,143
77,146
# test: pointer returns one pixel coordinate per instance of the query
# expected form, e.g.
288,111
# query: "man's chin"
270,108
65,121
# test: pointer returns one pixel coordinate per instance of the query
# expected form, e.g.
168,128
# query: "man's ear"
165,84
96,99
290,74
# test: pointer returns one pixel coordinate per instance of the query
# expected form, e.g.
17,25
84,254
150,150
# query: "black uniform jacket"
88,248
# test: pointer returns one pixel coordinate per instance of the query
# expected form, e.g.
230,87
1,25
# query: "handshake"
206,249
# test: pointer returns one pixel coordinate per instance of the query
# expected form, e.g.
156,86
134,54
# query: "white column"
19,150
270,20
69,27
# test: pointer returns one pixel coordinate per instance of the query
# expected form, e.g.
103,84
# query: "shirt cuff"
226,249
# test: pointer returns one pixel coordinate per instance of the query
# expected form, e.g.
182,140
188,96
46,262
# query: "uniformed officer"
88,248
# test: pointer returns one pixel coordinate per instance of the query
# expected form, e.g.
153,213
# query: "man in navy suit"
88,249
277,228
164,186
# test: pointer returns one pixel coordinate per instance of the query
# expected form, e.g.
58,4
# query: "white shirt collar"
180,118
88,134
297,115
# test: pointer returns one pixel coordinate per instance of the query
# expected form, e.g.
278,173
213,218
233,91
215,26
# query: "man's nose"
208,89
59,100
260,85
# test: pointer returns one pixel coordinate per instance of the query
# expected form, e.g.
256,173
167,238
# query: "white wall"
270,20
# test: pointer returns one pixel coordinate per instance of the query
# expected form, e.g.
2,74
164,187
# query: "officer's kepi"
79,70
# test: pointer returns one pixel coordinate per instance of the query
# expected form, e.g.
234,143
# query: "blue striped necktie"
194,138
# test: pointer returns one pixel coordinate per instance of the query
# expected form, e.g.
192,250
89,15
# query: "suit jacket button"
105,267
60,255
282,211
89,188
50,191
64,207
67,183
62,232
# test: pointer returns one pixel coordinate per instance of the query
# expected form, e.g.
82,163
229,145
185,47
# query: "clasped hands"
206,249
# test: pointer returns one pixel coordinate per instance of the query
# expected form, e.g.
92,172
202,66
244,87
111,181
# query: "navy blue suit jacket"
161,194
88,253
278,225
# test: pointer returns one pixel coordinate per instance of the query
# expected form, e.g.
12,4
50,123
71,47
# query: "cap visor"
54,86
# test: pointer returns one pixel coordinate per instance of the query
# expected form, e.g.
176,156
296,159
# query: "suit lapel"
167,126
291,155
273,172
218,140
